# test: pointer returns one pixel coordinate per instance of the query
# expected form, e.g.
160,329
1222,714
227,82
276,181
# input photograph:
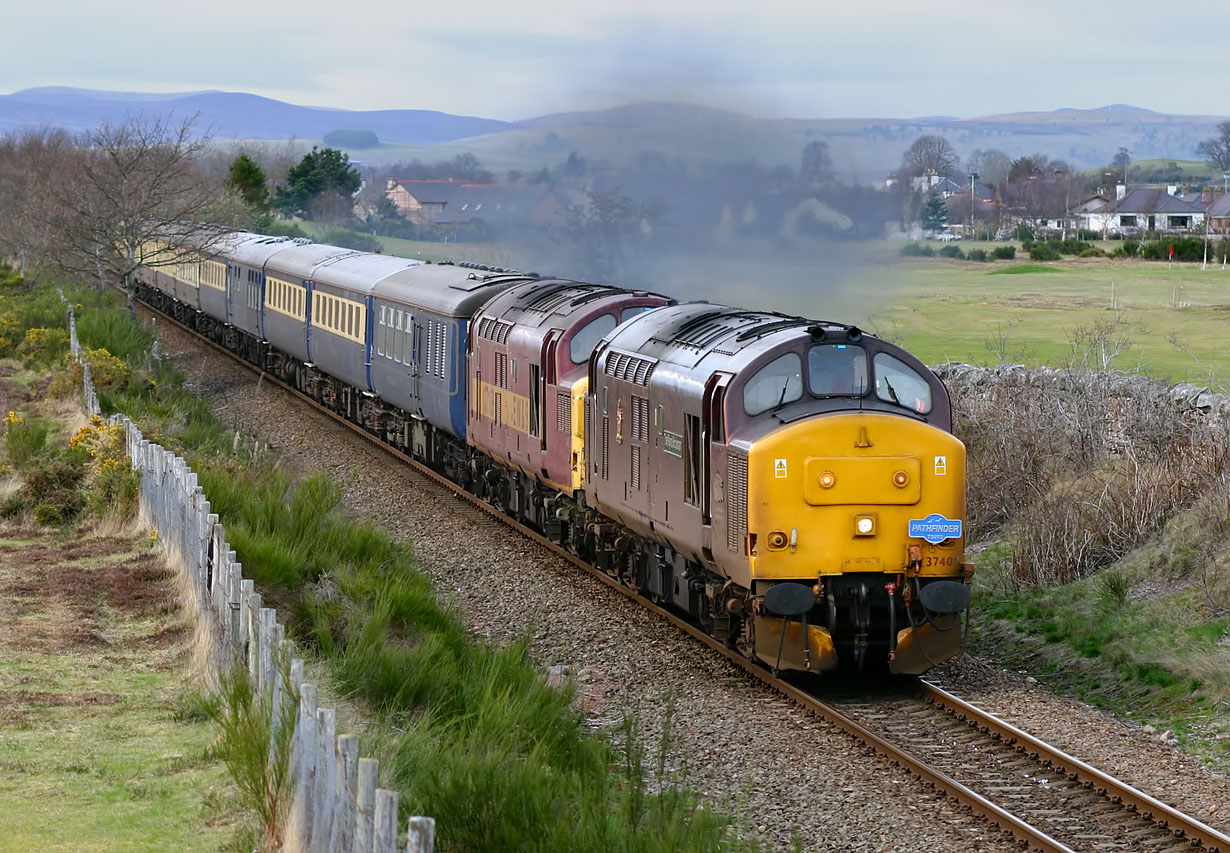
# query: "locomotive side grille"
640,419
500,333
501,369
606,446
499,409
563,412
736,504
636,466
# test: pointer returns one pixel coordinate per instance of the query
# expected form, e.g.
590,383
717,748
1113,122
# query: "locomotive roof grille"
550,297
769,328
629,368
494,330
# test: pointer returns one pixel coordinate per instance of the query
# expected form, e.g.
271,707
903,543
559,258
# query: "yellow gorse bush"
113,483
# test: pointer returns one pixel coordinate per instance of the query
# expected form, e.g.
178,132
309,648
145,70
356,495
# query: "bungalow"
501,208
1218,214
1150,210
421,202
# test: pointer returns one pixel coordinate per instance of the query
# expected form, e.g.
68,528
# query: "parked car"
1004,234
946,237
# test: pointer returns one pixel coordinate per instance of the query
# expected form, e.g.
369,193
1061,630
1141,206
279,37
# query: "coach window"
777,383
397,336
581,347
897,382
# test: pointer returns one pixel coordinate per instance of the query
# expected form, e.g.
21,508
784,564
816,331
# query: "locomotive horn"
854,333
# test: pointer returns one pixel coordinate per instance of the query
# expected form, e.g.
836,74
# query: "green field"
945,310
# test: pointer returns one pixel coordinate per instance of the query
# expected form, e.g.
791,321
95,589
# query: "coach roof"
362,272
445,288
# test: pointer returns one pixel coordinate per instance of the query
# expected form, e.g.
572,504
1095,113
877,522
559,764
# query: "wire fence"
336,803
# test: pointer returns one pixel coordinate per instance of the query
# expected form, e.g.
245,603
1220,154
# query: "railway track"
1040,795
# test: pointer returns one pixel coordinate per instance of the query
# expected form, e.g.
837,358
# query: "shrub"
41,347
352,240
1188,249
1092,252
977,255
24,439
1043,252
114,485
1131,248
55,479
48,515
1023,234
1070,246
916,250
1087,234
1004,253
952,252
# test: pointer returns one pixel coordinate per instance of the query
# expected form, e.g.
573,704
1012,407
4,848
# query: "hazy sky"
512,60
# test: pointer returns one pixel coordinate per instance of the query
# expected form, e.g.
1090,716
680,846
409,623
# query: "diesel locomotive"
792,486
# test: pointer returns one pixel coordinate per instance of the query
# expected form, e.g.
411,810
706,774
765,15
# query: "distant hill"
863,149
231,115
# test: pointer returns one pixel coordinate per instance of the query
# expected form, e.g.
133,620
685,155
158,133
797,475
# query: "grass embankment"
94,648
468,733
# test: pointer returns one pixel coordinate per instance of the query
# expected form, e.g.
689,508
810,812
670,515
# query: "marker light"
864,525
900,479
827,480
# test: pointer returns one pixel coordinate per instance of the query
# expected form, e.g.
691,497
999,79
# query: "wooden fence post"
386,821
365,820
421,836
348,777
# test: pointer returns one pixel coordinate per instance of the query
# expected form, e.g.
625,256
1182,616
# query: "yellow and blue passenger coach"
793,485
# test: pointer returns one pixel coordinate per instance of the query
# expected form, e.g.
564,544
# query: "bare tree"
130,194
1217,148
929,154
24,159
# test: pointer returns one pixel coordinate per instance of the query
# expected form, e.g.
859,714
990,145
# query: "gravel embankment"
781,773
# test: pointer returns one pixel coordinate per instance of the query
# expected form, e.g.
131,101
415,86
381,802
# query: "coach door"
713,440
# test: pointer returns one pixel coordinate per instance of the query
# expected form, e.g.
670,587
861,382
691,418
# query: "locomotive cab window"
837,369
777,383
897,382
584,340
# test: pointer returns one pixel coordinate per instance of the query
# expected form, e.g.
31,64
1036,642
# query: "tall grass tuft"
254,742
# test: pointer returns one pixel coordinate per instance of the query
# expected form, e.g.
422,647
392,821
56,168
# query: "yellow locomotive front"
866,511
855,517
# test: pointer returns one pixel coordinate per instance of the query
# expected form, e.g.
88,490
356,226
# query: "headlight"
864,525
901,479
827,480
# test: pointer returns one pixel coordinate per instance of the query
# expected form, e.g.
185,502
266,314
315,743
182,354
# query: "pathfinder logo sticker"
935,528
672,443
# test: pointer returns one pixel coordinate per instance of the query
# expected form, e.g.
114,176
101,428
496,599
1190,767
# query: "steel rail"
936,779
1168,816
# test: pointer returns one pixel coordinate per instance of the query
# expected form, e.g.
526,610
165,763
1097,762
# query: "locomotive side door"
713,454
